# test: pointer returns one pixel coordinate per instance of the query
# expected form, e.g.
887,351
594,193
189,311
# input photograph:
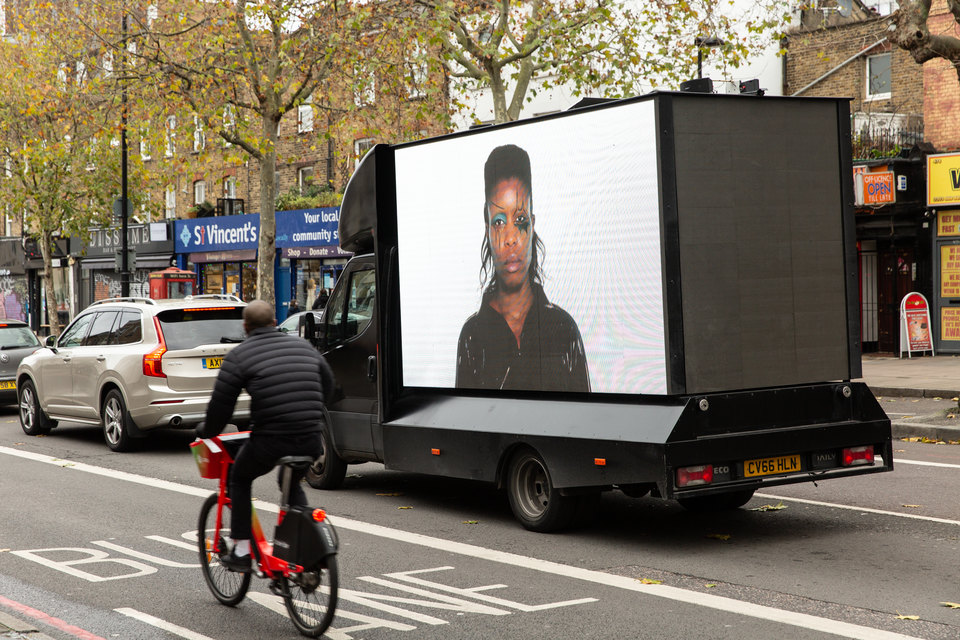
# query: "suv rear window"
19,336
189,328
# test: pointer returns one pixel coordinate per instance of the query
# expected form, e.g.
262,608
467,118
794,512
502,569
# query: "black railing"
873,139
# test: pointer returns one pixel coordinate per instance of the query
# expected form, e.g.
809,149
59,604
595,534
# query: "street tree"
59,128
910,30
613,48
236,68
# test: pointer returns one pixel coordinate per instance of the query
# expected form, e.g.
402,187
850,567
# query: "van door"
351,335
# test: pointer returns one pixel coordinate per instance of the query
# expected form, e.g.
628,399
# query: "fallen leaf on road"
937,398
951,416
719,536
955,399
770,507
471,522
912,506
911,439
649,581
951,605
2,550
394,494
353,475
710,585
902,617
404,507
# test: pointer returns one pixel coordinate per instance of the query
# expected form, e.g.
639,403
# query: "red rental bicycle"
301,564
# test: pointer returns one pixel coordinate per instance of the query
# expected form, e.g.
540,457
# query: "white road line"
162,624
923,463
802,620
818,503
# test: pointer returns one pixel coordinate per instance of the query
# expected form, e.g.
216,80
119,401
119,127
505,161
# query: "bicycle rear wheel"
311,597
229,587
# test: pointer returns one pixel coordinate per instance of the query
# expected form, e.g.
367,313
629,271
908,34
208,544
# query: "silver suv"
132,365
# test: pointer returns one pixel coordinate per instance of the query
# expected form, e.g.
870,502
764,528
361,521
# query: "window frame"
883,95
199,191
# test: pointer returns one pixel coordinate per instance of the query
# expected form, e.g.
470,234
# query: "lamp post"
124,203
702,42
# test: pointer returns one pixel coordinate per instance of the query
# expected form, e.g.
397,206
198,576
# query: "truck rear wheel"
533,499
717,502
329,469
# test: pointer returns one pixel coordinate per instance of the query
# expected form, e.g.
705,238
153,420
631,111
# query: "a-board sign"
915,324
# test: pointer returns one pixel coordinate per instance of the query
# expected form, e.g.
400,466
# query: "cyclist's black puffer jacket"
287,380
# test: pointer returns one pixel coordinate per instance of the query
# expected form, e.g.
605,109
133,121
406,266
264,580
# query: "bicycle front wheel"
311,597
229,587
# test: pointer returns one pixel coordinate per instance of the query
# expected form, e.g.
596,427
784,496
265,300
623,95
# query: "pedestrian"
288,382
294,308
321,302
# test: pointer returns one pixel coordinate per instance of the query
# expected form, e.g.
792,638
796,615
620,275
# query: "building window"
417,74
199,137
360,148
364,89
170,203
171,134
305,116
878,77
199,192
145,154
230,187
229,123
153,12
304,178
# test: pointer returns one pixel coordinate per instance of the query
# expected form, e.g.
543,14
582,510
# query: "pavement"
920,376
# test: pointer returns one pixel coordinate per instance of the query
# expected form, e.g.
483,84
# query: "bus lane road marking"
721,603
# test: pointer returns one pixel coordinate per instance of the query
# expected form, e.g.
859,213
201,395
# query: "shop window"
878,77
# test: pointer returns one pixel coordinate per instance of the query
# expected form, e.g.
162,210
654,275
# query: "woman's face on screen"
510,232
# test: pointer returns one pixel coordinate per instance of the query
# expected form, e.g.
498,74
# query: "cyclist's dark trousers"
256,458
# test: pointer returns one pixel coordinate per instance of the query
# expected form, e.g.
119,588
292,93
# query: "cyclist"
288,382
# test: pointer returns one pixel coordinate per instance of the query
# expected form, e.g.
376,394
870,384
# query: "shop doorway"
895,279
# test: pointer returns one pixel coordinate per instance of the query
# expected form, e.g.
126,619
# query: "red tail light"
152,362
854,456
319,515
692,476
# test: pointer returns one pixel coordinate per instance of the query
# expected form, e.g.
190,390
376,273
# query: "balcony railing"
884,135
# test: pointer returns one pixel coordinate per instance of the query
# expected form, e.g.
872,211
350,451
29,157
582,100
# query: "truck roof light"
693,476
855,456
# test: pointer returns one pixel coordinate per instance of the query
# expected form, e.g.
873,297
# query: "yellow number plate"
212,363
771,466
8,384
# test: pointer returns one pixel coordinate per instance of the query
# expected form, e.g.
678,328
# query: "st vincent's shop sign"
301,233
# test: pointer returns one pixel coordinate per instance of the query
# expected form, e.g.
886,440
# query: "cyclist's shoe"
236,563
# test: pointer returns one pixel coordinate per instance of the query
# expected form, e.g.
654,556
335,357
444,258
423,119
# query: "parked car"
17,341
292,323
132,365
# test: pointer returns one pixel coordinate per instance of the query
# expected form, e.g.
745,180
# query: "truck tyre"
718,502
329,469
533,499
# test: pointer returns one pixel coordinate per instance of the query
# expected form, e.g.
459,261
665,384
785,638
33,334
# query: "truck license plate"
8,384
212,363
771,466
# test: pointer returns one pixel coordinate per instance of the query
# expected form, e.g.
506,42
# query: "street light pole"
124,203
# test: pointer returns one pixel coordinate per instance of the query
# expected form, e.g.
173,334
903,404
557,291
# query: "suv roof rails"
126,299
229,297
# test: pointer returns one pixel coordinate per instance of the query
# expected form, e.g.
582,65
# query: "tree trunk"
46,241
268,221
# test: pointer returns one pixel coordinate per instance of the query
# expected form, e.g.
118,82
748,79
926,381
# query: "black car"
17,341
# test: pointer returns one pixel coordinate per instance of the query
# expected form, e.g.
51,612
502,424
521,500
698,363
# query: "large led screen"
530,256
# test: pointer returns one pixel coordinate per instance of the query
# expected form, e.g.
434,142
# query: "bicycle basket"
209,457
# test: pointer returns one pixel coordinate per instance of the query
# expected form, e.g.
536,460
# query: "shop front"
893,242
310,248
14,302
96,255
223,252
943,198
63,284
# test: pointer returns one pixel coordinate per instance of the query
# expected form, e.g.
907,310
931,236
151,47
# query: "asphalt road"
102,543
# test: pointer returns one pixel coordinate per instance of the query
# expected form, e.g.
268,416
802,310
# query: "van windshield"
190,328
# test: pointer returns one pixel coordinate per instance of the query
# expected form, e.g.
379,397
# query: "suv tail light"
152,363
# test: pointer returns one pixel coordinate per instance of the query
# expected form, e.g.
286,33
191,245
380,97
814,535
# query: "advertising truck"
655,295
